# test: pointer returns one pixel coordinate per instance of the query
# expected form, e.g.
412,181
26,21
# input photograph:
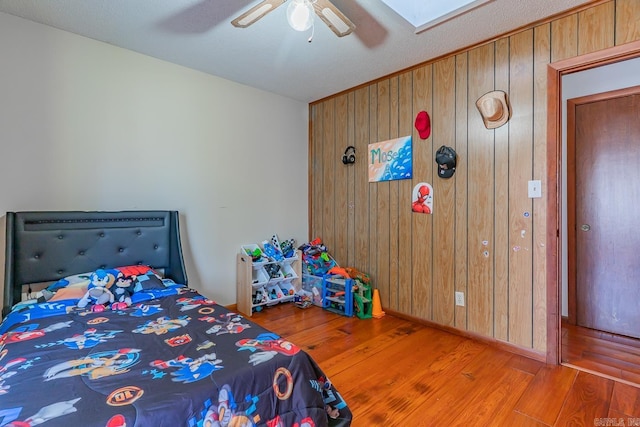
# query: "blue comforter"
173,358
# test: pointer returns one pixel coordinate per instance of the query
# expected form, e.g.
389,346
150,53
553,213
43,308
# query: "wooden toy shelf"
253,277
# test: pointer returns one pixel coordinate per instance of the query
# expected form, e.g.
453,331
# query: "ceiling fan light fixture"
300,14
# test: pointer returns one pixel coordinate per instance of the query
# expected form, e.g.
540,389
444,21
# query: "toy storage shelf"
253,277
337,294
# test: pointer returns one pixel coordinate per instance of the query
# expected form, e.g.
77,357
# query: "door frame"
555,71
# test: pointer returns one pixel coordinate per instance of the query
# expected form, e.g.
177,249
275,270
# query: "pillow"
73,292
148,281
78,284
22,304
82,279
168,283
133,271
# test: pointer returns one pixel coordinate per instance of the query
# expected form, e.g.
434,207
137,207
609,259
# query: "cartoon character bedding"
165,356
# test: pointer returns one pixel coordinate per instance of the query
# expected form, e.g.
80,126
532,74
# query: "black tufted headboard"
47,246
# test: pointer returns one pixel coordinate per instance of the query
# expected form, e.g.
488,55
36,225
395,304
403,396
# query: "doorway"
556,236
603,193
602,328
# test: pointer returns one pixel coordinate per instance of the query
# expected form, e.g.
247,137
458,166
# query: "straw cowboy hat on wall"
494,109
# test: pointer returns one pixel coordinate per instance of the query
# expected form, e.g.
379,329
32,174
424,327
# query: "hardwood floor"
615,356
393,372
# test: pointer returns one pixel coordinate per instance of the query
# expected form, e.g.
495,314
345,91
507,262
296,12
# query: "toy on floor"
377,306
337,294
362,301
339,271
362,298
302,301
356,274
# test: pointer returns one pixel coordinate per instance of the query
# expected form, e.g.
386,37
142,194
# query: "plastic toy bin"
259,277
287,288
248,250
288,272
313,284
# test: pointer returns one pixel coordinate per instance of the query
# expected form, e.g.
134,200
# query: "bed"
160,354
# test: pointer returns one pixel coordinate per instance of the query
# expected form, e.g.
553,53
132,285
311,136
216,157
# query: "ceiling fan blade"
256,12
336,20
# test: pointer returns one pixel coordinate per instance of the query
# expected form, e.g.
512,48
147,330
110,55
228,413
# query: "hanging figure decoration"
422,198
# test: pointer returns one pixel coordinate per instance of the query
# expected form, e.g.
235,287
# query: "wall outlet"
460,299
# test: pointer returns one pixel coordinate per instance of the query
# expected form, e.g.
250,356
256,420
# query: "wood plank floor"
393,372
614,356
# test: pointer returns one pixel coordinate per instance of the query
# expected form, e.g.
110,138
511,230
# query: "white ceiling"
269,55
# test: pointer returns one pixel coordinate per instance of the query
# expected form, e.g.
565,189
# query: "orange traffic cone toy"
377,306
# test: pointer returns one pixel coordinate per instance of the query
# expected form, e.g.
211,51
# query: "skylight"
426,14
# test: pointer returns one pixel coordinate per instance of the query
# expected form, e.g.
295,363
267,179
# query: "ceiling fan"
330,15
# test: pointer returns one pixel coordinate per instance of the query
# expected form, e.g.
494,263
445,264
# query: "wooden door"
603,142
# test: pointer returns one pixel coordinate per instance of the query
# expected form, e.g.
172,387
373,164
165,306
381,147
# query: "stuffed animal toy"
122,289
98,292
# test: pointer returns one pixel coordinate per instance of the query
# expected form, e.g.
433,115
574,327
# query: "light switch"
535,189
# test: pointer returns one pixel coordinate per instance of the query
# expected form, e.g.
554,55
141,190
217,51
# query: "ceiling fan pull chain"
313,27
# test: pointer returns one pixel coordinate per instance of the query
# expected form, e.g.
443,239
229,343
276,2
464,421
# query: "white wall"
88,126
606,78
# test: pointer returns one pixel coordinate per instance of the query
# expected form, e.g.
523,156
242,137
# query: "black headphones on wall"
349,155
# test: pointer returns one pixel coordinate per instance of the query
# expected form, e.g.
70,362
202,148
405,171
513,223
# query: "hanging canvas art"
390,160
422,198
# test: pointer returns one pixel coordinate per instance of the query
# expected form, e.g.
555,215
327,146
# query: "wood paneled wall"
485,238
